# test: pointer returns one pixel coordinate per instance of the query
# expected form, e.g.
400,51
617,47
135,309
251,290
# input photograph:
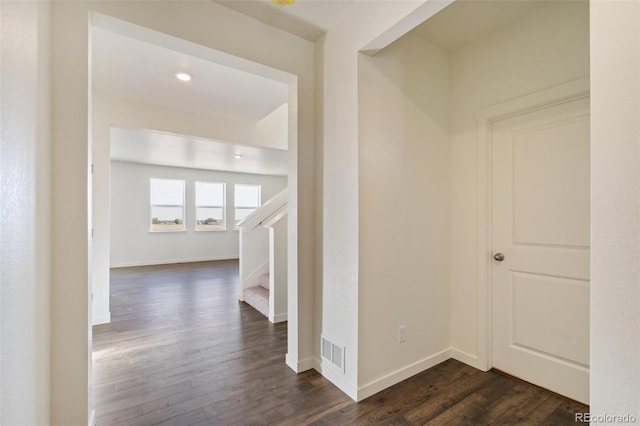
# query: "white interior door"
540,223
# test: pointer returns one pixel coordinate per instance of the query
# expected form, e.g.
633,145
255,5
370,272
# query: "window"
210,206
246,200
167,204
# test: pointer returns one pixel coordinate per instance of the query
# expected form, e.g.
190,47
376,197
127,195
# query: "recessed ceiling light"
238,156
183,76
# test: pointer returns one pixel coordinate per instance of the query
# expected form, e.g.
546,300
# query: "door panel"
540,221
540,323
551,206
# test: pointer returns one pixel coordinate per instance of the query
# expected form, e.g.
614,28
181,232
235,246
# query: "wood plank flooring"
181,350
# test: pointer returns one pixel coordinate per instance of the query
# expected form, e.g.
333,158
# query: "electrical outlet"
402,334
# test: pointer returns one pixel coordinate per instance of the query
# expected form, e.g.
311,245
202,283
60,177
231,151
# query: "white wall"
25,254
615,208
131,242
278,271
254,261
273,130
417,132
548,47
200,22
116,111
338,100
403,157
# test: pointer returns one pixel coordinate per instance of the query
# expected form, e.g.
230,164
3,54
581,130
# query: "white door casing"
540,222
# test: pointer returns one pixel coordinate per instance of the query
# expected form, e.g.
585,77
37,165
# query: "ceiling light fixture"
183,76
282,2
238,156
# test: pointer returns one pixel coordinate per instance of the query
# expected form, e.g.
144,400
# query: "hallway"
182,350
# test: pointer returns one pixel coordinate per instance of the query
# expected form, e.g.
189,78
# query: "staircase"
263,258
258,296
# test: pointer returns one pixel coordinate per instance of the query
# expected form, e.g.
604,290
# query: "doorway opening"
227,129
420,114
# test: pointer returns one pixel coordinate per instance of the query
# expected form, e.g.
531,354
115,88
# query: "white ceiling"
144,72
167,149
454,27
132,69
466,20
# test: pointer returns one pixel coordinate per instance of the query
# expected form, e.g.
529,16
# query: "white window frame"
236,207
151,206
223,206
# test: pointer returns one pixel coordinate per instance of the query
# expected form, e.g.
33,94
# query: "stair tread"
258,298
257,290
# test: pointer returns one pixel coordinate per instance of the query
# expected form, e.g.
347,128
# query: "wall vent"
332,353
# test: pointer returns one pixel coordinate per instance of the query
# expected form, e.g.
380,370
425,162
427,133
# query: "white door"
540,223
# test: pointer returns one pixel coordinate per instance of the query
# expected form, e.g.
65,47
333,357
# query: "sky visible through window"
246,199
210,206
167,204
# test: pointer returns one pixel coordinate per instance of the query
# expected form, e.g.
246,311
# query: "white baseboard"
397,376
279,318
375,386
466,358
299,366
101,319
92,418
171,261
337,379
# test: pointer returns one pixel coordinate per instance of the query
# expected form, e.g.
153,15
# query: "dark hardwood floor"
181,350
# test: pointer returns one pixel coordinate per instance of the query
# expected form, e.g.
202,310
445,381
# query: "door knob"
499,257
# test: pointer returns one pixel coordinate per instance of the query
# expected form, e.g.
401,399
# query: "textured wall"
615,208
25,210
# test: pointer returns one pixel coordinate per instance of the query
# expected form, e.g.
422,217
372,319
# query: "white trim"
404,25
172,261
299,257
265,211
92,418
404,373
223,206
300,366
337,379
101,319
559,94
279,318
466,358
275,217
545,98
183,206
